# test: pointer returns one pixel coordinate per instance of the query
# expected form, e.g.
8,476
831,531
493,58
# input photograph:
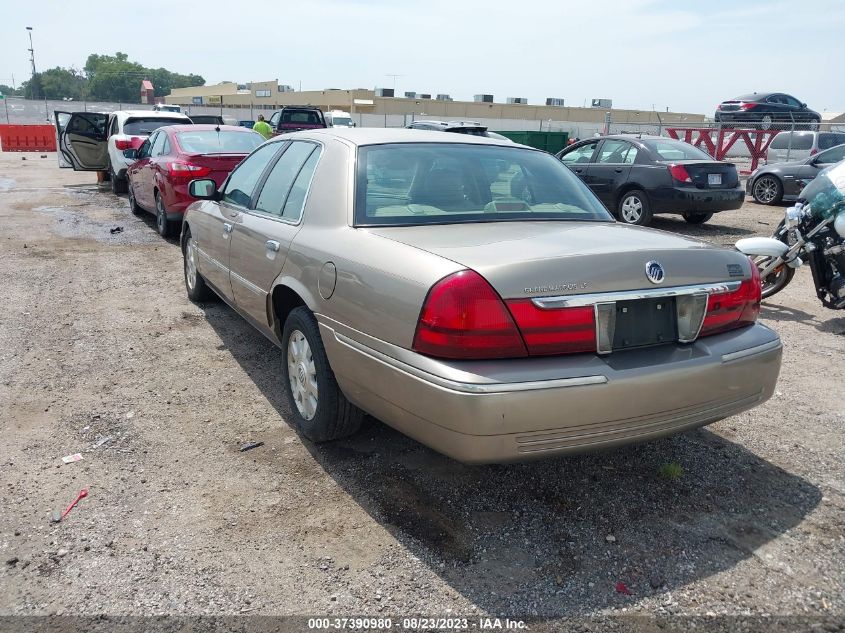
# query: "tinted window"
794,140
432,183
279,182
165,150
581,154
792,101
141,125
242,182
832,155
301,116
296,197
826,141
669,149
144,150
93,125
613,152
222,142
206,118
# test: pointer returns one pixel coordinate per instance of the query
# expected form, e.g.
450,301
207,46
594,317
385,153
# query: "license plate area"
714,180
644,322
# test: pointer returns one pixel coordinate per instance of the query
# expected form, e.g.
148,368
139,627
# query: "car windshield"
445,183
675,150
343,121
222,142
149,125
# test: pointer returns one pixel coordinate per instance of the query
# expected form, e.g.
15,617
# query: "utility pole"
32,59
394,81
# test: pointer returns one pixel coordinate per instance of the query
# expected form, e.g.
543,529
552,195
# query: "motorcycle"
812,231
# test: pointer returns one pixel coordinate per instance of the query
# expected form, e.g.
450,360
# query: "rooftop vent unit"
442,97
554,101
518,100
410,95
483,98
424,96
384,92
602,103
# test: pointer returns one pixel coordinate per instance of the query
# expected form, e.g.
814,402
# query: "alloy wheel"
191,263
765,190
302,375
766,122
632,209
161,216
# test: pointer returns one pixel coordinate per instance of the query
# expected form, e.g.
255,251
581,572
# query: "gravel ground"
101,353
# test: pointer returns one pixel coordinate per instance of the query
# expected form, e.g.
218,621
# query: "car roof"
755,96
379,136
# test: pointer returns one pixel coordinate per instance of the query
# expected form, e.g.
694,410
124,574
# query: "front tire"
767,189
198,290
697,218
320,410
634,208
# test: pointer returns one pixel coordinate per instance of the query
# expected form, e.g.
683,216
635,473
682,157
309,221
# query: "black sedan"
638,176
767,110
773,183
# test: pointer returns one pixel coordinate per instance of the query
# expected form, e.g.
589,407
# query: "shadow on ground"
553,537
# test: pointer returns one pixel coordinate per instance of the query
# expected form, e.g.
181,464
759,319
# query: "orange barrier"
27,138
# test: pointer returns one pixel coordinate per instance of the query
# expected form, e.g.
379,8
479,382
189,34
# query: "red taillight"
133,142
182,169
747,106
679,173
559,331
730,310
463,317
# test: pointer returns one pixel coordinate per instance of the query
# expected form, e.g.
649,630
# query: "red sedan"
172,157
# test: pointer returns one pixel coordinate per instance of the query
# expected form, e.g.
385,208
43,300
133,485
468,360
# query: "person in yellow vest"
262,127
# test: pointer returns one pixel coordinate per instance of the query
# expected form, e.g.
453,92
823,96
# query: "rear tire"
320,410
134,207
697,218
118,185
634,208
198,290
777,280
767,189
165,227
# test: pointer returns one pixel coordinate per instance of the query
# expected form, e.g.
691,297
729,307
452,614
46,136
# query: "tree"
114,78
8,91
61,83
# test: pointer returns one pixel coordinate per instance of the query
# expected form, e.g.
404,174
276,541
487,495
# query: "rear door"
135,174
82,140
262,235
610,169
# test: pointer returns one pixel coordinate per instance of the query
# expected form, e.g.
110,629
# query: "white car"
79,137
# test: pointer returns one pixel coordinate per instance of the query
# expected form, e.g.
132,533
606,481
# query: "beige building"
269,95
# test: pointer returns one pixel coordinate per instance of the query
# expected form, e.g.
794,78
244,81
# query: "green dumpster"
551,142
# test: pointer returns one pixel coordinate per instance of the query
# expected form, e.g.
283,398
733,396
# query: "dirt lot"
101,353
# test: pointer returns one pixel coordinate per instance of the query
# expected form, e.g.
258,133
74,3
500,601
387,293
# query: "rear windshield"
206,118
223,142
445,183
472,131
149,125
342,120
826,141
675,150
308,117
793,140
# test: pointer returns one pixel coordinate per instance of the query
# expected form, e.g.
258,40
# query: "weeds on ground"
671,471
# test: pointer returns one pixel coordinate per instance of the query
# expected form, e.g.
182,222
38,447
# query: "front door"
82,140
610,170
262,235
217,221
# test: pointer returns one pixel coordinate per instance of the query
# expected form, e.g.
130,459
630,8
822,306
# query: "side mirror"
203,189
803,105
131,154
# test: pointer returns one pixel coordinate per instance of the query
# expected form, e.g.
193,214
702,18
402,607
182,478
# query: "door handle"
578,171
272,245
227,228
618,171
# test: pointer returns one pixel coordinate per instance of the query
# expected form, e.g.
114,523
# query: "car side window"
580,155
279,183
826,141
792,101
274,120
833,155
113,126
144,150
777,99
158,143
613,152
165,150
296,198
241,183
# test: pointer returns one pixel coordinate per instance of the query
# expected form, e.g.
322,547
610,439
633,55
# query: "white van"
792,146
339,118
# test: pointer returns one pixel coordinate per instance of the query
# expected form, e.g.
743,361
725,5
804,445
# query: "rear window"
826,141
206,118
147,126
793,140
301,116
675,150
444,183
223,142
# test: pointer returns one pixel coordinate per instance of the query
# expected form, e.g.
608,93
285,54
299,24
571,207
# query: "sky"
644,54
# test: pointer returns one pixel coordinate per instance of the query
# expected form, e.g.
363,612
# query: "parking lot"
103,354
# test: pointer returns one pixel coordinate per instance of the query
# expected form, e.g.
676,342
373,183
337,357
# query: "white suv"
95,141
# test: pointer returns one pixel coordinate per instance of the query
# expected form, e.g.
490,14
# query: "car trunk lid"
536,259
220,165
708,174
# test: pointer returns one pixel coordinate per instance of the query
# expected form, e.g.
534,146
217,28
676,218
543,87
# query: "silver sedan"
473,294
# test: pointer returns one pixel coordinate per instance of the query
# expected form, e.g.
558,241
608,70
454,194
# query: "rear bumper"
692,200
566,405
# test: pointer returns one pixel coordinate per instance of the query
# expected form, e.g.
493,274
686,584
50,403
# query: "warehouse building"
270,95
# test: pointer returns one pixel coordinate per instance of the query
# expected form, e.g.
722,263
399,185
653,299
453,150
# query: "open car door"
82,140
